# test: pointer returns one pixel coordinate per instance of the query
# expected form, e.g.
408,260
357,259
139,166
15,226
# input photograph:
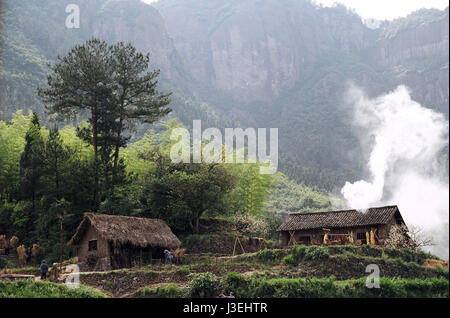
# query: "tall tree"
191,188
31,169
54,157
113,84
136,95
83,80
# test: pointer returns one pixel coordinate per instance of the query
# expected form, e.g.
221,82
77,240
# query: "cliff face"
415,51
256,50
143,26
245,63
423,34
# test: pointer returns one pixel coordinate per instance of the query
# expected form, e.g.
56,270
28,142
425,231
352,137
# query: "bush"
315,253
270,255
367,250
290,260
236,283
4,263
291,288
408,255
397,288
29,288
204,285
342,249
330,288
307,253
169,291
184,271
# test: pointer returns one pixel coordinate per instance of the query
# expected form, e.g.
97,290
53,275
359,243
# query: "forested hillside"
283,64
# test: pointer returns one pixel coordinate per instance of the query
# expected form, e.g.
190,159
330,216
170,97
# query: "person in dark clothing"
29,255
8,246
44,270
169,256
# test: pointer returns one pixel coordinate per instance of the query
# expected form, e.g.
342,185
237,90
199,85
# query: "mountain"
247,63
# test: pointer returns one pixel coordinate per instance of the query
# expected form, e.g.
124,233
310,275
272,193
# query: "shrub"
29,288
169,291
396,288
306,253
408,255
270,255
329,287
184,271
315,253
4,263
367,250
292,288
342,249
290,260
236,283
204,285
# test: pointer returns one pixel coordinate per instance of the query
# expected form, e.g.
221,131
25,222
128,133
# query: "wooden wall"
102,245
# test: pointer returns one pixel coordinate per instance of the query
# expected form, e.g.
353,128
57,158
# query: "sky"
382,9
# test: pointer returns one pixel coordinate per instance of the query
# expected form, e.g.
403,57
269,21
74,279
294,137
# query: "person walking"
29,255
44,270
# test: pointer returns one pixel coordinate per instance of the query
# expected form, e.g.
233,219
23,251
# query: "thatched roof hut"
123,230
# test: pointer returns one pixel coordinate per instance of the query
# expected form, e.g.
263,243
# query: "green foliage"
4,263
184,271
408,255
306,253
271,255
38,289
169,291
204,285
396,288
329,287
287,196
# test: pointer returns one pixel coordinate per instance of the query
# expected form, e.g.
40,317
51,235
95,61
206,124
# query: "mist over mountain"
246,63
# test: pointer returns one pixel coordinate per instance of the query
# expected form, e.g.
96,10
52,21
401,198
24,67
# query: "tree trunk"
60,242
119,134
94,143
197,221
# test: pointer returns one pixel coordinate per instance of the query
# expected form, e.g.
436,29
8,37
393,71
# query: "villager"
169,256
44,270
8,246
29,255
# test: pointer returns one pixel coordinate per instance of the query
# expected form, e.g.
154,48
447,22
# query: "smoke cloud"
406,142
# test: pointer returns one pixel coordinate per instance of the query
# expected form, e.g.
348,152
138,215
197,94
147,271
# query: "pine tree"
82,80
55,157
136,95
31,168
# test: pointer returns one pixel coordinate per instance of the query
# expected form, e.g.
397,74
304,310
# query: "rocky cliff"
248,63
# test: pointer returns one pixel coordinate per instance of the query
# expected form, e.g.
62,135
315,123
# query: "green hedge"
244,287
169,291
204,285
408,255
306,253
29,288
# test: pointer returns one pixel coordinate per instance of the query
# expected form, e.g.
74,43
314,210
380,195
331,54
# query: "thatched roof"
340,219
121,230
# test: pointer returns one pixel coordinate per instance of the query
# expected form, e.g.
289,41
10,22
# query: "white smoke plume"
405,141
